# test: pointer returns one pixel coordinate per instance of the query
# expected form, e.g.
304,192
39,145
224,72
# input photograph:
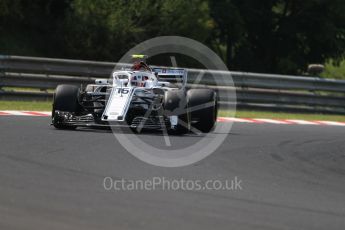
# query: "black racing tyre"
175,104
65,100
203,105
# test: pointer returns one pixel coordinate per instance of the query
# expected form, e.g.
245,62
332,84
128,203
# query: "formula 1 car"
140,98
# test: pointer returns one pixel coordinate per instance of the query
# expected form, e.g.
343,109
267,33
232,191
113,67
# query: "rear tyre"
203,105
65,100
176,104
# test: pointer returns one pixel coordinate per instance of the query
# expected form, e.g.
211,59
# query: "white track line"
272,121
17,113
24,113
334,123
233,119
303,122
220,119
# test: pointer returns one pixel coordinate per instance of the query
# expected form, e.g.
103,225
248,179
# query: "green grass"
283,115
46,106
23,89
334,71
26,105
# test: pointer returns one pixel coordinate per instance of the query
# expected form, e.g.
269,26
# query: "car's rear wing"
171,75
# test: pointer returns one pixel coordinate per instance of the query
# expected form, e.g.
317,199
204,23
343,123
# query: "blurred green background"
271,36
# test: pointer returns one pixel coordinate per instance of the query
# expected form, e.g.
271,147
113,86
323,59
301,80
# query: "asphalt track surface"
293,177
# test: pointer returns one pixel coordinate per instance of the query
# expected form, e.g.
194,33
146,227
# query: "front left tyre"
65,100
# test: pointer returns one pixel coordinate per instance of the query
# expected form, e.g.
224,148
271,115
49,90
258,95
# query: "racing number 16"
123,91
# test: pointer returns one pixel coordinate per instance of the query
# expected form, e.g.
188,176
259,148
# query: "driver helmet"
140,66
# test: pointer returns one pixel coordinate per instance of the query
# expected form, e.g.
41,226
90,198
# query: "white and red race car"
140,98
